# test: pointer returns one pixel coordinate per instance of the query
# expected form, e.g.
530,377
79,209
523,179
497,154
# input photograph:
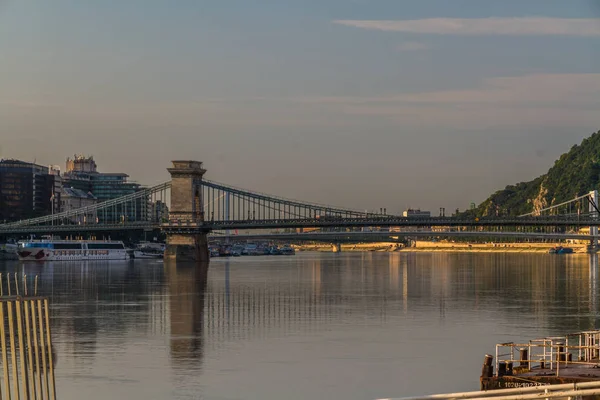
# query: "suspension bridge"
189,205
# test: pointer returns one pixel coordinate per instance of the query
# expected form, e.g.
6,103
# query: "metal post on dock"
497,366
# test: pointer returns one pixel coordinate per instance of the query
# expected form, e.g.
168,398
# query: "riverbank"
446,247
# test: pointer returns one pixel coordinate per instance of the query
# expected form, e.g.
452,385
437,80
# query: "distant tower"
81,163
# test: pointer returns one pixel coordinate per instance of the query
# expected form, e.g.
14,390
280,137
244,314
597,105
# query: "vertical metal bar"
13,352
31,380
4,352
496,369
50,357
24,375
36,350
558,361
43,346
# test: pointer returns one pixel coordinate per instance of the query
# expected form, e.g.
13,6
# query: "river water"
310,326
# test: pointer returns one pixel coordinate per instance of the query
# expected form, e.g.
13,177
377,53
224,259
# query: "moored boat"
71,250
560,250
287,250
8,251
148,253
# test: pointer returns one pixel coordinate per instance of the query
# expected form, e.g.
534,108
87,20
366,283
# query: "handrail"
556,351
530,392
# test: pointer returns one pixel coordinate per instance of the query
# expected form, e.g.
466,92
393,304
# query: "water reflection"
593,285
257,326
186,287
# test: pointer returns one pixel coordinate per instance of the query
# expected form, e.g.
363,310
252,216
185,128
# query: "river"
311,326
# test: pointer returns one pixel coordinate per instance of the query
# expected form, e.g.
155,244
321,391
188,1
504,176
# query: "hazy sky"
357,103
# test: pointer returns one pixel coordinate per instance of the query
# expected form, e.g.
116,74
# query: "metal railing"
562,391
549,353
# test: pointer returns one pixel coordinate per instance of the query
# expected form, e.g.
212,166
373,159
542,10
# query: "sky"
362,104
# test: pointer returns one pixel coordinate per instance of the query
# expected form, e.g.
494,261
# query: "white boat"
152,246
71,250
8,247
147,253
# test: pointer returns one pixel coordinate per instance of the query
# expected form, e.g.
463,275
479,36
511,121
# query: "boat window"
105,246
38,245
67,246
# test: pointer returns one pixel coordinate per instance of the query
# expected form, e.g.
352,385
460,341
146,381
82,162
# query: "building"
159,211
416,213
56,190
25,190
82,174
73,199
81,164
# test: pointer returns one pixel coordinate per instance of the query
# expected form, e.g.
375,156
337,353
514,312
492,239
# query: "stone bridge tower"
186,236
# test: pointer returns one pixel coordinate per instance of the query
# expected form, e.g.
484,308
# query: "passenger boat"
573,358
71,250
148,253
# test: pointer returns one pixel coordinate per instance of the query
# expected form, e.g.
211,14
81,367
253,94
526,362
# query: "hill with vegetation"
575,173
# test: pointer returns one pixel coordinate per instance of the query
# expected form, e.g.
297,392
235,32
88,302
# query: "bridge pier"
336,247
593,209
186,237
187,247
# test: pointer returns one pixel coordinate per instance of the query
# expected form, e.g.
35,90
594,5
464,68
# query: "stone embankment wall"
427,246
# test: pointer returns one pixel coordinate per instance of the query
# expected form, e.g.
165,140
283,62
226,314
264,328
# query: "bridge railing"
278,199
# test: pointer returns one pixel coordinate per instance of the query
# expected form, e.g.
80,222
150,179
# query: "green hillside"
574,173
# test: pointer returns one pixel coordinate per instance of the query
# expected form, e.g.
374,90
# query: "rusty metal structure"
26,342
572,358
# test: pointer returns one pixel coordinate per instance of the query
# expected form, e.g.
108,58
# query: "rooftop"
72,192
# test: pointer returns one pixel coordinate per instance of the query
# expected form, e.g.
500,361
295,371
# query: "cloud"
519,26
411,46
